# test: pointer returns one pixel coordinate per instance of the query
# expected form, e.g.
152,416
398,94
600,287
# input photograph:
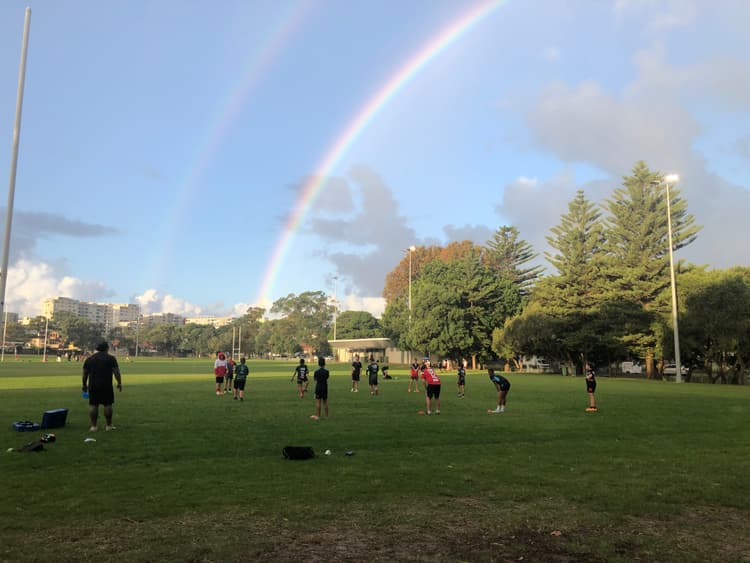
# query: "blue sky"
165,143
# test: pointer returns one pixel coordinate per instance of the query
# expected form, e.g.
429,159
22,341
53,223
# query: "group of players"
230,375
226,372
425,371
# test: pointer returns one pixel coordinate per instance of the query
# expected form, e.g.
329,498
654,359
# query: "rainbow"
312,187
252,71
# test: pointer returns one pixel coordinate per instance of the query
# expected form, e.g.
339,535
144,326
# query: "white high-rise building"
107,314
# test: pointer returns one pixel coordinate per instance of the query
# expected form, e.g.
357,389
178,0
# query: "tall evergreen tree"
637,269
509,256
579,242
637,236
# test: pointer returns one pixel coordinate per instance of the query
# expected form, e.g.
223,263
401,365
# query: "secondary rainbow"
312,187
261,58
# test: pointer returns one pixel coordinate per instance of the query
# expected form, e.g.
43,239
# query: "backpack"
298,452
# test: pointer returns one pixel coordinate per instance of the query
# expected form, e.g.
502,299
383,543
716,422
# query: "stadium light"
670,180
410,250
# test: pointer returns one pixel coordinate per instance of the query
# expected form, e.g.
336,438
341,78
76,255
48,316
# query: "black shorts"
219,379
590,385
301,380
462,381
415,377
321,393
373,379
433,391
102,395
239,384
229,378
355,377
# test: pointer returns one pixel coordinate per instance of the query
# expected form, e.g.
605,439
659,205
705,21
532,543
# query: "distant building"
11,317
163,319
107,314
378,348
216,322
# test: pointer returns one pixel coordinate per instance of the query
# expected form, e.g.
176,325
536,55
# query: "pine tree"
579,241
508,255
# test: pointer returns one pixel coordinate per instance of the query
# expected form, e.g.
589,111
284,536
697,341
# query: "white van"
631,368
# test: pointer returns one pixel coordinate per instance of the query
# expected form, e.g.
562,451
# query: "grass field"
660,473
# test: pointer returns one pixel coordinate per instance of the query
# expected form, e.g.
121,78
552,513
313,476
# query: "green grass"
659,474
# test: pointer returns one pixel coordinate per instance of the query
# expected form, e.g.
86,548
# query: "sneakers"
108,428
242,398
498,410
218,393
351,390
93,429
429,413
591,409
314,417
236,398
437,412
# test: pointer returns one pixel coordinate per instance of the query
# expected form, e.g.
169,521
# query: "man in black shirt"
98,370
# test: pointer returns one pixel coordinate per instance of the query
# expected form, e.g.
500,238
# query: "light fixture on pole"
670,180
410,250
335,303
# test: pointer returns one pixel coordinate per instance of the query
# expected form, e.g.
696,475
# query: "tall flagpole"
14,161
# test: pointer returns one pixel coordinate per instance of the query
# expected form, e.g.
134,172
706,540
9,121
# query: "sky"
200,157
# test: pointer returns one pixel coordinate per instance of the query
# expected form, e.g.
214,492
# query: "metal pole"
335,303
44,354
5,326
14,161
137,328
411,250
677,364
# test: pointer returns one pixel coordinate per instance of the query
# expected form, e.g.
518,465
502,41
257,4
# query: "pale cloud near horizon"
648,120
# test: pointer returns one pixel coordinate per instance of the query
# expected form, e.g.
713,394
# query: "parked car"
631,367
671,369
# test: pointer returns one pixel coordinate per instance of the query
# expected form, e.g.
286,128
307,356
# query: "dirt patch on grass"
470,531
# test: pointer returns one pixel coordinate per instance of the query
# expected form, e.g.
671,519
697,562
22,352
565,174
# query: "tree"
78,331
457,305
637,268
579,242
715,324
509,256
395,319
357,324
309,317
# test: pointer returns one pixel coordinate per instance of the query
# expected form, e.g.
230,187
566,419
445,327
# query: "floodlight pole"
335,303
14,161
410,250
672,178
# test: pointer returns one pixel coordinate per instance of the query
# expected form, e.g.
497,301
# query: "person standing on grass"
300,372
98,370
591,387
461,380
414,376
372,376
321,376
503,387
220,370
432,387
230,374
356,372
240,377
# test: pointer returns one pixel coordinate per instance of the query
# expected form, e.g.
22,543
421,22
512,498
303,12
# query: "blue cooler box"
54,418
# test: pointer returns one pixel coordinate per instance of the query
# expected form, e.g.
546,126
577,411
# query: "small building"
379,348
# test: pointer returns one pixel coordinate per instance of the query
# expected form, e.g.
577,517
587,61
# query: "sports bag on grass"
25,426
298,452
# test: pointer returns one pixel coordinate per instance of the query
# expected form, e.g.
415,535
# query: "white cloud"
651,120
31,282
373,305
151,301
